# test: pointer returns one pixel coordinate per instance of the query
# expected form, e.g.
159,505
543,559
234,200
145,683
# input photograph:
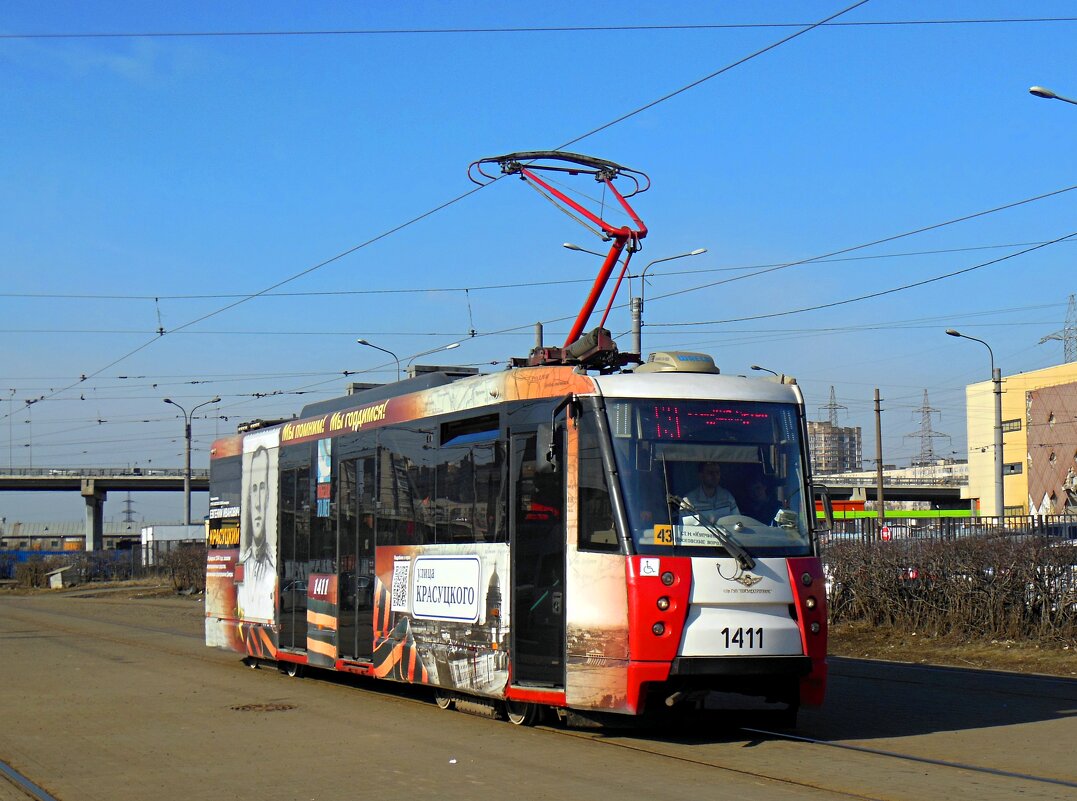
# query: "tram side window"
597,531
295,522
406,484
287,519
492,488
347,492
225,479
323,543
470,489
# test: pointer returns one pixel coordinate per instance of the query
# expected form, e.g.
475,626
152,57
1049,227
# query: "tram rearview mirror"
548,457
822,495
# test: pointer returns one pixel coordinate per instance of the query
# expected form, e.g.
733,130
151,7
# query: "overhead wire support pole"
879,461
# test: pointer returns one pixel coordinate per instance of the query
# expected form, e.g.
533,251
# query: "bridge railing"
101,472
839,479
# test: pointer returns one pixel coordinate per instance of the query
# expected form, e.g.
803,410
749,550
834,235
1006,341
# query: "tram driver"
710,501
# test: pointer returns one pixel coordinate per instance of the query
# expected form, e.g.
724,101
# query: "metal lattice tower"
926,434
832,408
128,510
1068,334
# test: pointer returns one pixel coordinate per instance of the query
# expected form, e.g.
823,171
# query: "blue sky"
158,167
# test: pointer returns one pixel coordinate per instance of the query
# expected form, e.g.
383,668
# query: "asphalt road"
116,698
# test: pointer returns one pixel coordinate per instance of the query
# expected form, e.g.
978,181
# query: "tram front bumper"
772,666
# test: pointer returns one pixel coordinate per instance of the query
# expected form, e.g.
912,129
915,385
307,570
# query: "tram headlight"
814,627
658,629
809,602
668,578
805,579
663,603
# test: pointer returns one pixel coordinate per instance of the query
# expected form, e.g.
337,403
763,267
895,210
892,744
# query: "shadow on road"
868,699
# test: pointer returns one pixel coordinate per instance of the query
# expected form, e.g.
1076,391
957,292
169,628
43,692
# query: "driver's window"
597,531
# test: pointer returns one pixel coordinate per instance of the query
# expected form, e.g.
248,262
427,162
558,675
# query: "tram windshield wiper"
720,533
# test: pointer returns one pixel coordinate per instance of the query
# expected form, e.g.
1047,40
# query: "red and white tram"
612,541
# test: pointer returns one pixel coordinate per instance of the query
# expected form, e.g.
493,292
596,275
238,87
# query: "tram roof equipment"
596,349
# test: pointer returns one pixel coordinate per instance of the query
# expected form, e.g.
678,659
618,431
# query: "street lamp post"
187,451
451,346
1042,91
383,350
636,304
996,378
765,370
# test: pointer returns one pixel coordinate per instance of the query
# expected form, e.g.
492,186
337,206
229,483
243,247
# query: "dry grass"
135,588
863,641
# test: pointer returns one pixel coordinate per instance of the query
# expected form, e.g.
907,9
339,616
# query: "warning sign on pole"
884,533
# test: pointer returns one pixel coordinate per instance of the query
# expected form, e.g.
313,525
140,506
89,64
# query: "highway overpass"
94,484
944,493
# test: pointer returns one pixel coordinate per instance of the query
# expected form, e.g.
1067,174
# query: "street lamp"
452,346
1042,91
996,377
383,350
637,303
765,370
570,246
187,462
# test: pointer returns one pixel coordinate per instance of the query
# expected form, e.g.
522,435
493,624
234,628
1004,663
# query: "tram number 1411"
743,638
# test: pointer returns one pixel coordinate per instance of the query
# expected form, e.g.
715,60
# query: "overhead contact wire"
451,202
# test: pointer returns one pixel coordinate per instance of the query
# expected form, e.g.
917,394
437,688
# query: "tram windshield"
699,474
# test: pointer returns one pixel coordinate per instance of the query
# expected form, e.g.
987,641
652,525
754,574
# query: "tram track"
707,763
636,743
913,758
23,785
639,746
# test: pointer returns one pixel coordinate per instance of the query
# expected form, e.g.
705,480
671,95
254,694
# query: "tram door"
356,583
538,565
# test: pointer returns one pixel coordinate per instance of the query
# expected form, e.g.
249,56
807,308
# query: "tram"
581,532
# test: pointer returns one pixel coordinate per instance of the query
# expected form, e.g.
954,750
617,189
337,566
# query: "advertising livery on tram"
579,533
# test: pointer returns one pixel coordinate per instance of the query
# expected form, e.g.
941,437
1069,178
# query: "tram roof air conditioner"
678,361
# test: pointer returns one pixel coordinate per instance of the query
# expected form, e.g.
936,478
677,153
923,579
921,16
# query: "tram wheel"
291,669
522,713
444,700
251,662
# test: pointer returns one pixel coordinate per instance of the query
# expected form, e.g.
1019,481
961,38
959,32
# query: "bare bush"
1015,587
30,573
186,567
34,571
